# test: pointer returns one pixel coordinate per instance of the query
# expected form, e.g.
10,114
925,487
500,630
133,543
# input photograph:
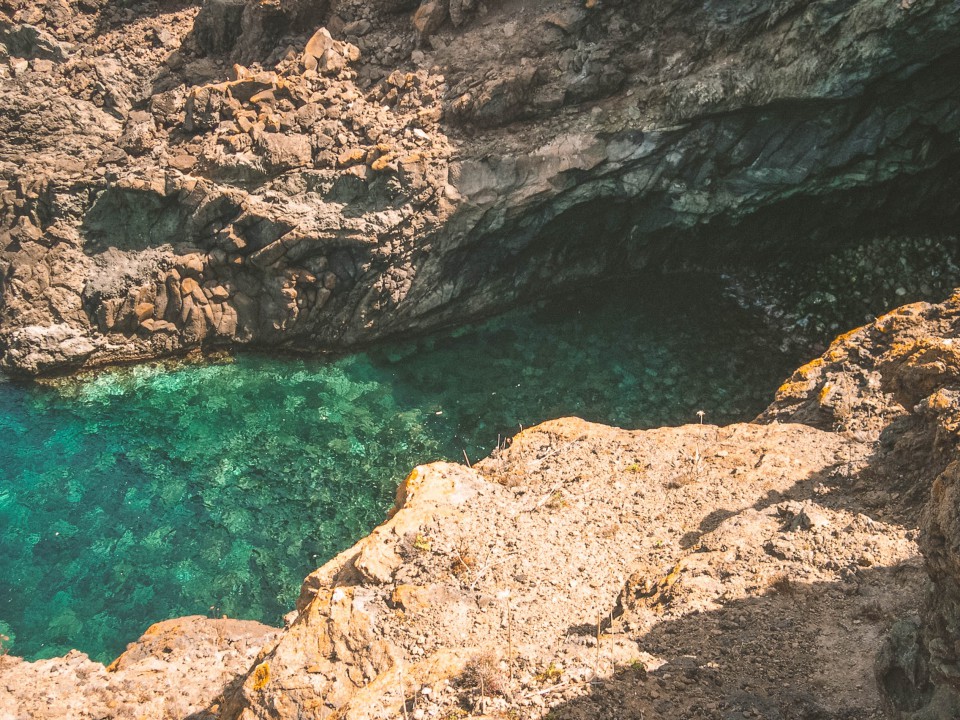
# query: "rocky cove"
282,175
149,492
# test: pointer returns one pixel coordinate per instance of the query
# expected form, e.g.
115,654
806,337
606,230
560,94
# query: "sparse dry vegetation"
484,674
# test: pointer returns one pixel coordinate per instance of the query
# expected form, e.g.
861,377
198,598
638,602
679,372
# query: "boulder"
139,134
331,62
319,43
30,42
165,656
429,17
459,10
182,162
283,152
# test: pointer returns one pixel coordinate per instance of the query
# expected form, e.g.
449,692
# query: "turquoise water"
146,493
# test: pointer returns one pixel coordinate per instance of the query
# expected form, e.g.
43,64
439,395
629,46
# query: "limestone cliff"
319,175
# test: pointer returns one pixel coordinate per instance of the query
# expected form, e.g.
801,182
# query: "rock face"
898,381
176,670
312,176
752,570
320,176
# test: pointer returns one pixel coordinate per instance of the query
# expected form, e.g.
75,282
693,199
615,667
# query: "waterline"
150,492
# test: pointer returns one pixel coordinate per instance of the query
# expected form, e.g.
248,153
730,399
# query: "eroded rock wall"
898,380
368,170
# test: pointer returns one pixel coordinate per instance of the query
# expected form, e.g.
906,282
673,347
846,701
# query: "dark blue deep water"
144,493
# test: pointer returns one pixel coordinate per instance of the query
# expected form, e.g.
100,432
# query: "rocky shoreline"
769,569
179,176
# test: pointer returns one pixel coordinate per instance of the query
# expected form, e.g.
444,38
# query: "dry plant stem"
509,643
596,669
403,694
482,571
699,458
546,498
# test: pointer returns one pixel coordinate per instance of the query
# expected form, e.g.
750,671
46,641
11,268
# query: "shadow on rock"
784,655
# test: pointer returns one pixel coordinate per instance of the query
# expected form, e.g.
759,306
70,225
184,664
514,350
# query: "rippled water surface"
145,493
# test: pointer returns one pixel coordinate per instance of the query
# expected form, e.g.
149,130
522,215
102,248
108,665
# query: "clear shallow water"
146,493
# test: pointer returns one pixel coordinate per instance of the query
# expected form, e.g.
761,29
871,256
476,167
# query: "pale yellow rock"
144,310
351,157
194,262
320,42
411,597
382,162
